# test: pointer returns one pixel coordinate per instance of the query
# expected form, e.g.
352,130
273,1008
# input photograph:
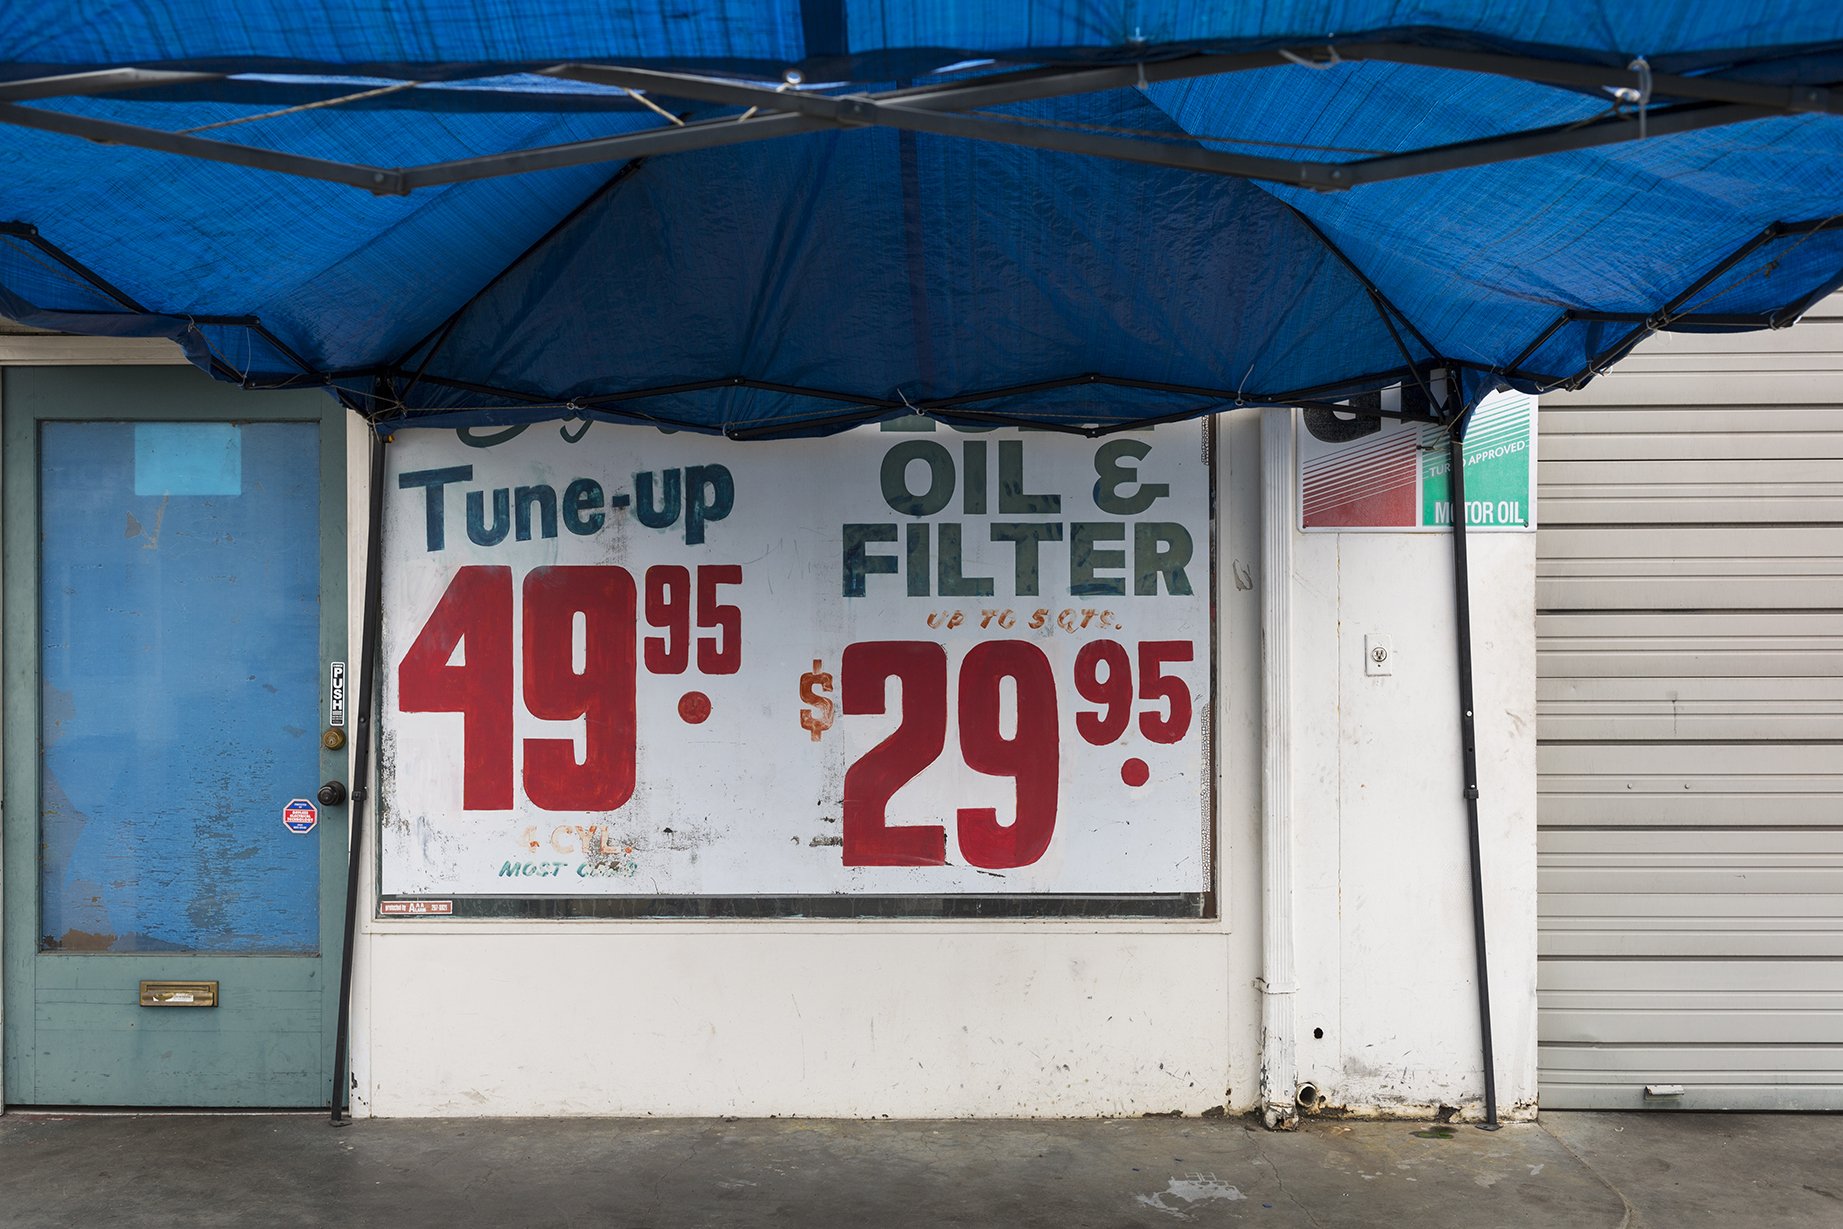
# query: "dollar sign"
812,683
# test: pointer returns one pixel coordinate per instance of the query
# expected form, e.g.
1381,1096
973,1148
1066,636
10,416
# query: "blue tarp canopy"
774,217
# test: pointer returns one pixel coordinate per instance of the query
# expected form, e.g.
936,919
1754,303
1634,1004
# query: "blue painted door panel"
179,620
174,589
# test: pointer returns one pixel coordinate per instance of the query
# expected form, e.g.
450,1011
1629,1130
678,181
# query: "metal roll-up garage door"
1690,650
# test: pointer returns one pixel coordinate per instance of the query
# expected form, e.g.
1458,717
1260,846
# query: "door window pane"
179,629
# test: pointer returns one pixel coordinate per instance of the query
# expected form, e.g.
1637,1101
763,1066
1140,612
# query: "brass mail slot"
179,994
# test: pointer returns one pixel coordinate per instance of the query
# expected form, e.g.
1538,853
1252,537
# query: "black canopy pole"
1468,742
361,772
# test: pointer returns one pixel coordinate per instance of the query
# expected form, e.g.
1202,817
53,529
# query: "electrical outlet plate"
1378,655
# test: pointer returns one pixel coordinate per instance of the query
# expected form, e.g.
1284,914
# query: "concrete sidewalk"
1589,1170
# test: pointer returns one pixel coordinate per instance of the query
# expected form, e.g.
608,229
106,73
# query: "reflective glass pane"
179,627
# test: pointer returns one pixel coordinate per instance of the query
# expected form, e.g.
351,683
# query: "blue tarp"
799,283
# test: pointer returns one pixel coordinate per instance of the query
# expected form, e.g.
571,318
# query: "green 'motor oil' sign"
1498,466
1383,474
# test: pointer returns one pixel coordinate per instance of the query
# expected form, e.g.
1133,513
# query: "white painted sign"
896,661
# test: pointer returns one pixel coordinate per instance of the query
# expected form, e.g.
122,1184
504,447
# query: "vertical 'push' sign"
336,695
896,661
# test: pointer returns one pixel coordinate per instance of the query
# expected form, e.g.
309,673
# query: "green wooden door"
174,601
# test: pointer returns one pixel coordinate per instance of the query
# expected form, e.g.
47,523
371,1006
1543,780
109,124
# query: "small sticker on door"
336,696
300,815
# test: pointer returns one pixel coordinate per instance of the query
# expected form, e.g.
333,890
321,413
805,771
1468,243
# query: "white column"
1279,981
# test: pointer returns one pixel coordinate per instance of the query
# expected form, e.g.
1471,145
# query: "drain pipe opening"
1307,1097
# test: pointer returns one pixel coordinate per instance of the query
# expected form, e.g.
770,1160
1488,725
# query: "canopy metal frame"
958,108
1661,104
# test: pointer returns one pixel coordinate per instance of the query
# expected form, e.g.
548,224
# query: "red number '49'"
474,617
474,614
602,695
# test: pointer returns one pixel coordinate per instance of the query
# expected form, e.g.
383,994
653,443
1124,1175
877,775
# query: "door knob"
331,794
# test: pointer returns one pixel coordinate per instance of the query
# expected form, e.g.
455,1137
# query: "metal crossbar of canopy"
773,218
942,109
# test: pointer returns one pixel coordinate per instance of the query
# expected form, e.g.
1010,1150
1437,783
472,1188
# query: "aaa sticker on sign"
300,815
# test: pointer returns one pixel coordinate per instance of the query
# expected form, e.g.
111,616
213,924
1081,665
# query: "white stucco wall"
1383,918
915,1019
817,1018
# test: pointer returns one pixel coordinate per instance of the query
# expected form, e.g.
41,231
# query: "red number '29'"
1029,756
894,762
